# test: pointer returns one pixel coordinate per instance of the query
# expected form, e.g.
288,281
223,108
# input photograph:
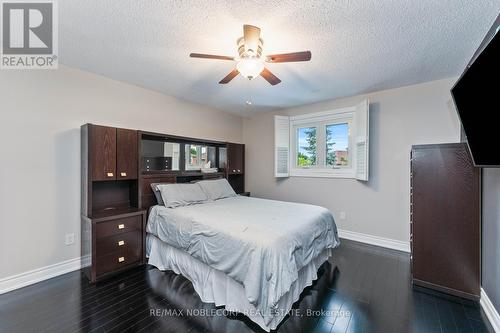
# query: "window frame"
320,120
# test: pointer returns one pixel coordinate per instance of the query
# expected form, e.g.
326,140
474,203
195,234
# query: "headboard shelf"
176,138
114,213
113,195
182,173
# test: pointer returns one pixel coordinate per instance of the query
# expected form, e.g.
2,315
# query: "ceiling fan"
250,63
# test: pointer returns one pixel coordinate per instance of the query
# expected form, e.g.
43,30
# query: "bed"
250,255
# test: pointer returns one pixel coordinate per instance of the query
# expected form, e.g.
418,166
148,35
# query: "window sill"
323,173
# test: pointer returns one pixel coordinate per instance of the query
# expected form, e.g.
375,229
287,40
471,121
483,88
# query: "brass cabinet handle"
121,259
123,174
121,226
121,243
110,174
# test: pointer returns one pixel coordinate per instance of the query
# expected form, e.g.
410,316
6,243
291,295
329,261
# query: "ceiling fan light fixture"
250,62
250,67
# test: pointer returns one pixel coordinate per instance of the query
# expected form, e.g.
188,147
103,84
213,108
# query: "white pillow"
217,189
176,195
157,193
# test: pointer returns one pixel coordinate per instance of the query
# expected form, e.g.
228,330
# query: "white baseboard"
490,311
24,279
375,240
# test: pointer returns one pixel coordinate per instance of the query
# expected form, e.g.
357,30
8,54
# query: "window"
324,144
321,146
337,145
196,157
306,146
336,137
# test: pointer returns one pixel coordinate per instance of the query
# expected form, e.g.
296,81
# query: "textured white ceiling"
357,46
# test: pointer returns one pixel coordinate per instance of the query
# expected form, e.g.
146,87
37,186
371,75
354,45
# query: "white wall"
40,117
399,118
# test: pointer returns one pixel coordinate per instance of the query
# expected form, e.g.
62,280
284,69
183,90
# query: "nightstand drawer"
128,240
119,226
117,260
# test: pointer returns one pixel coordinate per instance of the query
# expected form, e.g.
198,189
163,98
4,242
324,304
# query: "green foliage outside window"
309,156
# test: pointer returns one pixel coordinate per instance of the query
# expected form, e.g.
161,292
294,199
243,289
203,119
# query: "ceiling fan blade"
229,77
210,56
270,77
251,34
289,57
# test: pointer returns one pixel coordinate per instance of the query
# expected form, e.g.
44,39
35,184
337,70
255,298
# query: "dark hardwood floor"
362,289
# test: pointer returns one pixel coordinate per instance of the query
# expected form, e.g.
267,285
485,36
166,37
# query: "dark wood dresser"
445,219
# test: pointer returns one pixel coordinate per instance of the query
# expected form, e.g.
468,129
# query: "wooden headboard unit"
118,167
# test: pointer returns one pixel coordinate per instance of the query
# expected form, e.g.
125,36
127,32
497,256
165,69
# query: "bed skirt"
216,287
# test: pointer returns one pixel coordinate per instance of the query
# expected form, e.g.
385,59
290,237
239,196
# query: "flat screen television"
475,97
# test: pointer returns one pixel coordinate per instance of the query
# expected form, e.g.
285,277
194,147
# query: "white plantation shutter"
281,146
362,140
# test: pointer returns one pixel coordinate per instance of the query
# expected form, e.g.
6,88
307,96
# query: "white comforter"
260,243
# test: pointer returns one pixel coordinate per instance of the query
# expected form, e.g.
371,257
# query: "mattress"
216,287
261,244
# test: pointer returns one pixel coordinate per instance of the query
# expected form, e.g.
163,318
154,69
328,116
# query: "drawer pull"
110,174
121,226
123,174
239,170
121,259
234,170
121,243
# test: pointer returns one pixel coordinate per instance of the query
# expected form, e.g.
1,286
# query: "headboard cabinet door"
236,158
102,152
126,154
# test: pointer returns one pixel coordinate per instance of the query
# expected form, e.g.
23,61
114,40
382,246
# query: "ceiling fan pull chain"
248,101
